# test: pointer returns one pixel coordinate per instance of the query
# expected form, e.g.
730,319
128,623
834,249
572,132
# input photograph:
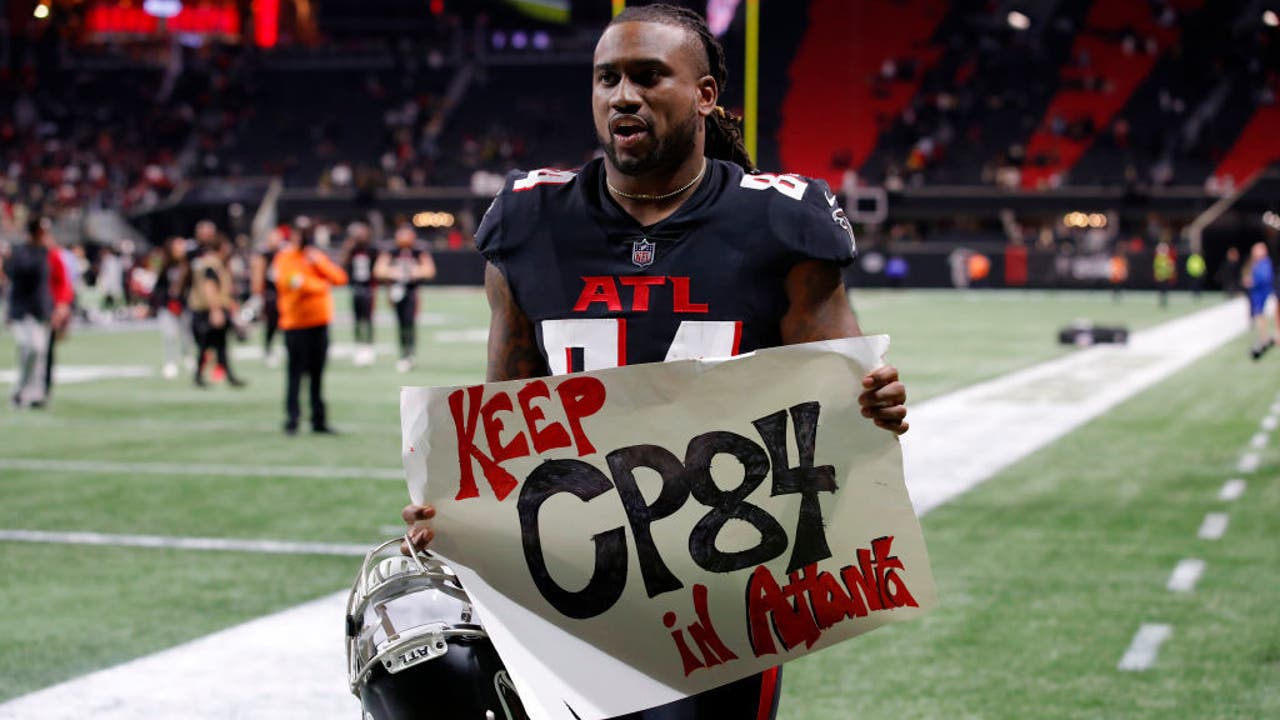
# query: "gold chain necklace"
647,196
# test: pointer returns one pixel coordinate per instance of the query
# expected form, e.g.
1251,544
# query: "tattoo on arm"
513,345
819,307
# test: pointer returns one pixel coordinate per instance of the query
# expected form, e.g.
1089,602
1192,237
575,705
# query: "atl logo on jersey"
642,252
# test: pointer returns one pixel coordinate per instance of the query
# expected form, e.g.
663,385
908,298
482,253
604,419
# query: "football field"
1161,514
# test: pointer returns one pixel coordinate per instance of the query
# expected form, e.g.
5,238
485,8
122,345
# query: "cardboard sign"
635,535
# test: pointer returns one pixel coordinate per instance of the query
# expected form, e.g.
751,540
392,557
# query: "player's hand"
61,317
884,398
417,517
217,317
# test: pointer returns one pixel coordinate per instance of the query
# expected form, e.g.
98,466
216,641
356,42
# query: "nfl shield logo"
642,252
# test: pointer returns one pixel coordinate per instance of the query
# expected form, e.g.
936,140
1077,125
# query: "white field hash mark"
1214,526
1232,490
1185,575
102,467
1269,423
1142,652
1248,462
278,547
1258,441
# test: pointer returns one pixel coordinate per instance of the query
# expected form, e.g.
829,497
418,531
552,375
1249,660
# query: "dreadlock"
724,133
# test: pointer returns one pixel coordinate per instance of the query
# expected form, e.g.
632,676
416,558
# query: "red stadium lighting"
206,18
266,22
437,7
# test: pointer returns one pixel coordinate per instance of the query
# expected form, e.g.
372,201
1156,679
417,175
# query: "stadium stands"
843,94
1088,94
1257,147
1119,45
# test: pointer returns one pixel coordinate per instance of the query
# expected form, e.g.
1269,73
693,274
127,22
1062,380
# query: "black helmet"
414,649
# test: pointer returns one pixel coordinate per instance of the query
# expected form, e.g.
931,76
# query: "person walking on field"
359,258
1165,269
169,301
1260,278
675,198
404,268
34,306
262,285
304,281
212,308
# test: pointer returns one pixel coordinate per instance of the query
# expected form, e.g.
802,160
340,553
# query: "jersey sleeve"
60,285
814,226
492,237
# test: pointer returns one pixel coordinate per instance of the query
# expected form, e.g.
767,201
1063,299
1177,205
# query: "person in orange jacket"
304,278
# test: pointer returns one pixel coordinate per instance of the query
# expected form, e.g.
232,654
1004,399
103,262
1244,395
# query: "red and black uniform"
404,296
708,281
363,290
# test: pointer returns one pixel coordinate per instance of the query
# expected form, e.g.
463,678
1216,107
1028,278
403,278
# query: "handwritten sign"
636,535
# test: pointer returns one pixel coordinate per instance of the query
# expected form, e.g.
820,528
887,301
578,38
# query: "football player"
671,246
404,268
358,258
264,294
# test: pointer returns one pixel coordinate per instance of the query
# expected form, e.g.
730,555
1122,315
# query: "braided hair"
724,132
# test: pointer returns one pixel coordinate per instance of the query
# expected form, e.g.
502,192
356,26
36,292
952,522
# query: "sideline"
290,664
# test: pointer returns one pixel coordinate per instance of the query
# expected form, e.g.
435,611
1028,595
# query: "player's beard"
667,153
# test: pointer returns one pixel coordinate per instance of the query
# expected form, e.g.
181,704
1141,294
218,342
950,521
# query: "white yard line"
468,335
1258,441
128,424
1214,526
1269,423
286,665
298,673
1248,462
1142,652
276,547
102,467
71,374
1185,575
1232,490
337,351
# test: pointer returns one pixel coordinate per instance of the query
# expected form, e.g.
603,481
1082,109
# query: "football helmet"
414,648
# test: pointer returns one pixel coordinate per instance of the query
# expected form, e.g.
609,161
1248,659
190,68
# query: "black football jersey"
708,281
360,266
404,261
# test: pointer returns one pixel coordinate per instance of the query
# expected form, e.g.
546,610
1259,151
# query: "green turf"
1046,571
126,602
74,610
